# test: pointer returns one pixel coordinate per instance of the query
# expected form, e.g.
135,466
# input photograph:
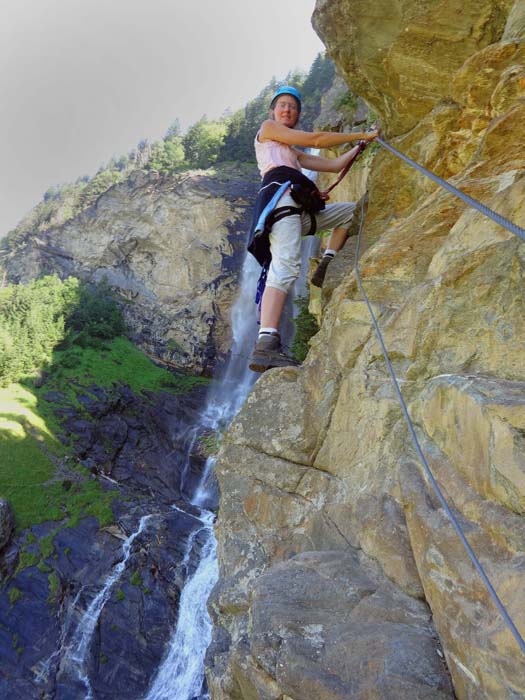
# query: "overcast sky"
83,80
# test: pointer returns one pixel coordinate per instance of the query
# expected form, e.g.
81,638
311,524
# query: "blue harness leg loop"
261,221
261,285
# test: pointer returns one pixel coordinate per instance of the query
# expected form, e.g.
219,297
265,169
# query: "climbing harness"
261,284
270,208
519,232
308,198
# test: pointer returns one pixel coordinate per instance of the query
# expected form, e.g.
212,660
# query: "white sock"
330,252
267,331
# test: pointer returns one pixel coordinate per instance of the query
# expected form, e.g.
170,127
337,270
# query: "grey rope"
501,220
424,462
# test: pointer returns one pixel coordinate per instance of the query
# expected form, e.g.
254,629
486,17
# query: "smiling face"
285,110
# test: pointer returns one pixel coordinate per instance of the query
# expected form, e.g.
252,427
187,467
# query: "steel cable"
442,500
498,218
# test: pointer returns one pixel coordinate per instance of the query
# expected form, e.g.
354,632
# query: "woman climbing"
289,206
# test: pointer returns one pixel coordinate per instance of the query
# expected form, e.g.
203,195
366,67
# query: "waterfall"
229,393
43,669
181,674
76,651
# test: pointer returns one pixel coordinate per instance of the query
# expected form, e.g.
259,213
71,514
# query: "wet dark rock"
40,531
141,444
6,523
141,610
8,561
55,397
65,412
137,440
17,688
81,428
29,627
83,565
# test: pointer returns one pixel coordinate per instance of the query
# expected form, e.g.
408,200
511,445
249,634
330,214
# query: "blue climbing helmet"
286,90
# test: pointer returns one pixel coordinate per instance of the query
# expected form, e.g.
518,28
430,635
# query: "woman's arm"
324,165
273,131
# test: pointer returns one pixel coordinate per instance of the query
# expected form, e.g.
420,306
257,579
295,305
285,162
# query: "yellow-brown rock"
320,460
400,56
515,27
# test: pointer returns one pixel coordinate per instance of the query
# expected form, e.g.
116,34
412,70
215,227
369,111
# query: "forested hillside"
206,143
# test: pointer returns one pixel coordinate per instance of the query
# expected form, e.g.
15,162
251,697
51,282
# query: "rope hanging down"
453,519
501,220
358,150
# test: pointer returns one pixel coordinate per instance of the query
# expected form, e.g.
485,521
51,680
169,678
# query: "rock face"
6,523
400,56
51,574
340,573
167,245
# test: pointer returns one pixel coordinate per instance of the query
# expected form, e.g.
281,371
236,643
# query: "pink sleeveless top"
271,154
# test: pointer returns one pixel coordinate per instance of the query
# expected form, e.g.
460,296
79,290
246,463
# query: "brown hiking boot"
268,353
320,271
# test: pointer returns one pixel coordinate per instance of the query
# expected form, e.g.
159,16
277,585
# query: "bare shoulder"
267,131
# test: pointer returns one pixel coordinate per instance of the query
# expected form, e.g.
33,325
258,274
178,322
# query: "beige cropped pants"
285,239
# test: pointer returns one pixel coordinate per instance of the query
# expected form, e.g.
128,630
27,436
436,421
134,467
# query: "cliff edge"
341,576
168,245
